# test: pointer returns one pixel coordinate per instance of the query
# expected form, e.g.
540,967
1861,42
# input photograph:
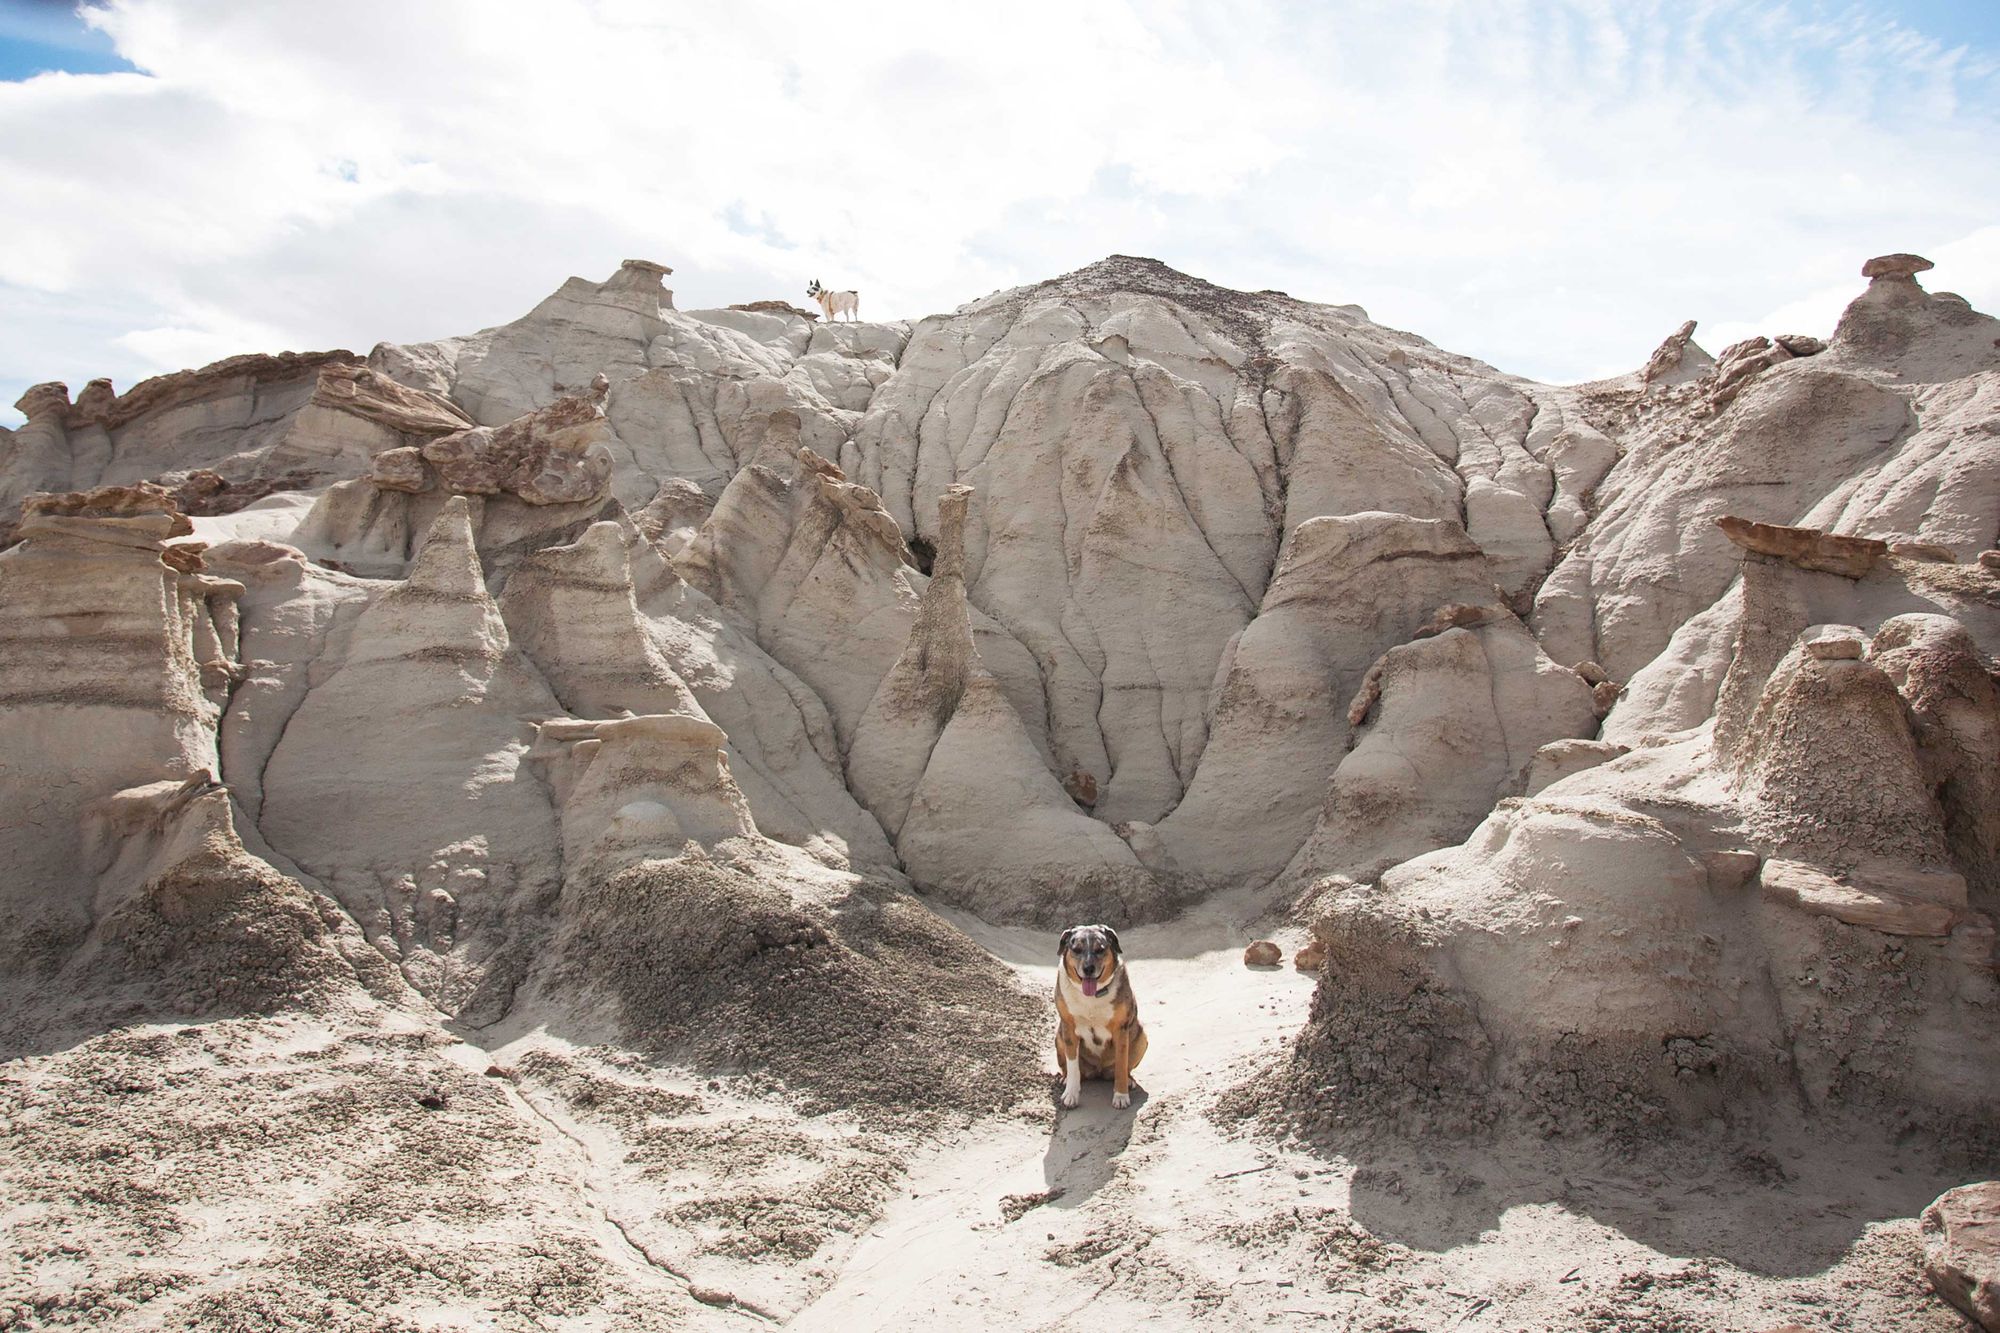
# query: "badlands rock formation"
667,684
1772,878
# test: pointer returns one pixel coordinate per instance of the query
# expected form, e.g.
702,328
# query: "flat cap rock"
44,400
1895,266
1808,548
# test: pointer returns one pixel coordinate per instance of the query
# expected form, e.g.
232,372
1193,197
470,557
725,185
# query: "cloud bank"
1551,187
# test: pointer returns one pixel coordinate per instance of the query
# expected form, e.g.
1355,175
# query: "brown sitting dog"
1098,1034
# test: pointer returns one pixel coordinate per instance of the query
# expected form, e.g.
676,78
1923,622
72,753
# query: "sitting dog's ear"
1116,947
1062,945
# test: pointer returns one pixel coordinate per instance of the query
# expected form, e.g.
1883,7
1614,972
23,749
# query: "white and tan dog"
833,303
1098,1034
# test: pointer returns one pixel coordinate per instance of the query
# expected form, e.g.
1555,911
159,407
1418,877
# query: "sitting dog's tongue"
1090,985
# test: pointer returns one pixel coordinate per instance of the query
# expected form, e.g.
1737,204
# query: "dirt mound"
866,1000
204,928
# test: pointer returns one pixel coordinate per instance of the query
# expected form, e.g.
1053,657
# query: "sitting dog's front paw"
1071,1096
1121,1100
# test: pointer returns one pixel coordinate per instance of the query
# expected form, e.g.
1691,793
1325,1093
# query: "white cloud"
1549,187
1971,267
216,336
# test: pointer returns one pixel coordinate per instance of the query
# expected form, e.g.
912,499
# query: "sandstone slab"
1808,548
1961,1234
1814,890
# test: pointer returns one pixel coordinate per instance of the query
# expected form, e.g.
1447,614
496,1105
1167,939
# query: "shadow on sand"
1083,1151
1789,1204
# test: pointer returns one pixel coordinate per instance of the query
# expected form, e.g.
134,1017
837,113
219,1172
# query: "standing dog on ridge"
835,303
1097,1032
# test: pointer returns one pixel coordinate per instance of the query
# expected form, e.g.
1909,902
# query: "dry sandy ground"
269,1173
1162,1217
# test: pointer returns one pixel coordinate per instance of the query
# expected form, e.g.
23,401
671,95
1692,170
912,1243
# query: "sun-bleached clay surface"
563,827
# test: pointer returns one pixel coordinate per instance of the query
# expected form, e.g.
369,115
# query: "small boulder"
1742,362
1800,344
1730,868
1929,552
1592,673
1311,958
1835,646
1961,1236
1990,561
401,470
1459,615
1264,953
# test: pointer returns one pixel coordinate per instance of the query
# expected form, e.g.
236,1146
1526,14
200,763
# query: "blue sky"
37,36
1974,22
1551,185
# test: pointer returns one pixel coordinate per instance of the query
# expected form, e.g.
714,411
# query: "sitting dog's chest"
1091,1015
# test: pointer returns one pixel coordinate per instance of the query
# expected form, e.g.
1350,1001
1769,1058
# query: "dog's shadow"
1083,1151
